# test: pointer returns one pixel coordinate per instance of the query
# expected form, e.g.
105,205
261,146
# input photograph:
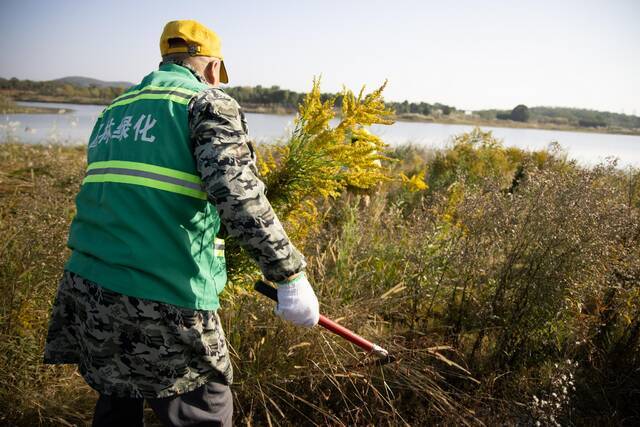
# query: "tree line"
61,90
255,95
275,96
563,116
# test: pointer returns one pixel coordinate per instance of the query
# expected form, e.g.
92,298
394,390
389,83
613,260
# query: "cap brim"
224,77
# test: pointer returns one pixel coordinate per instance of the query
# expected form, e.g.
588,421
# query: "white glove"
297,302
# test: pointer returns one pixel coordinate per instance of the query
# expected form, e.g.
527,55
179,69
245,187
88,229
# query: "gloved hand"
297,302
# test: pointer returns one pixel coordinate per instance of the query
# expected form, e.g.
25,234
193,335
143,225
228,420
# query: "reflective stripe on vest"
218,247
146,175
175,94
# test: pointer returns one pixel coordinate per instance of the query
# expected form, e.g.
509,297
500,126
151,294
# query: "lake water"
589,148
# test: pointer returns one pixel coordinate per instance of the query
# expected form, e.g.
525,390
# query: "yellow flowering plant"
327,152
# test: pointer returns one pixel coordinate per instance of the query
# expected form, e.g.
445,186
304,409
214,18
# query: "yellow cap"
197,39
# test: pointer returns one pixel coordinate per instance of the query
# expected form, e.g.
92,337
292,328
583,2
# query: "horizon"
474,57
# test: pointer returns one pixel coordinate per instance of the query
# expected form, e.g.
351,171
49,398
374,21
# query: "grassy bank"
8,106
506,282
505,299
59,93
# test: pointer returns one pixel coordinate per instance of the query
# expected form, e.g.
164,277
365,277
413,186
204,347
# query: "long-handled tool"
272,293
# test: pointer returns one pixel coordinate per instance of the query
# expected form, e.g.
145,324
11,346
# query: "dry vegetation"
8,106
506,282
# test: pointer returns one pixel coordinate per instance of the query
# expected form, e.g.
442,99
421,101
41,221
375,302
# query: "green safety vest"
143,226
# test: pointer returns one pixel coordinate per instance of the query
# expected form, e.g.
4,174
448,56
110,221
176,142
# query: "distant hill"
88,82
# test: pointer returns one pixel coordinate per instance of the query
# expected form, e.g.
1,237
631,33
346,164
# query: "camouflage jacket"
226,161
132,347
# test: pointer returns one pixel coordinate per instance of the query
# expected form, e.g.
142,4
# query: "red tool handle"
272,293
346,333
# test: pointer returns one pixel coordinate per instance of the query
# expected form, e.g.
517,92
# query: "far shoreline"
510,124
283,111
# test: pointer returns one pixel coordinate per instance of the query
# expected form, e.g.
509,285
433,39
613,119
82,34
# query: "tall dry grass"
509,290
37,190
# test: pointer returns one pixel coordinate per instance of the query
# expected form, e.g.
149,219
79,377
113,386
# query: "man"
169,166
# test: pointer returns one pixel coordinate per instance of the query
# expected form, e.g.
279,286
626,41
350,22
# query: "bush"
520,113
591,123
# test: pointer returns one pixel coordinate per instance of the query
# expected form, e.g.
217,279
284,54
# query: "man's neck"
186,65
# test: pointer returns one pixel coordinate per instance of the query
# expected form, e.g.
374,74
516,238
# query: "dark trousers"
209,405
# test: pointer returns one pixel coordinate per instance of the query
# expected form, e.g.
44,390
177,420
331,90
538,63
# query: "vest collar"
182,68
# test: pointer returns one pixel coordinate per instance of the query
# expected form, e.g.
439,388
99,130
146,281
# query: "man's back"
144,227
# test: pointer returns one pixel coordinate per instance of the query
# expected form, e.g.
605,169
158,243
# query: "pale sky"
470,54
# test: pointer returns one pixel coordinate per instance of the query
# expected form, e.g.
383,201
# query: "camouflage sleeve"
226,162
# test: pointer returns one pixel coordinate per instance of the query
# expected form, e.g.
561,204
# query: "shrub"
520,113
591,123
